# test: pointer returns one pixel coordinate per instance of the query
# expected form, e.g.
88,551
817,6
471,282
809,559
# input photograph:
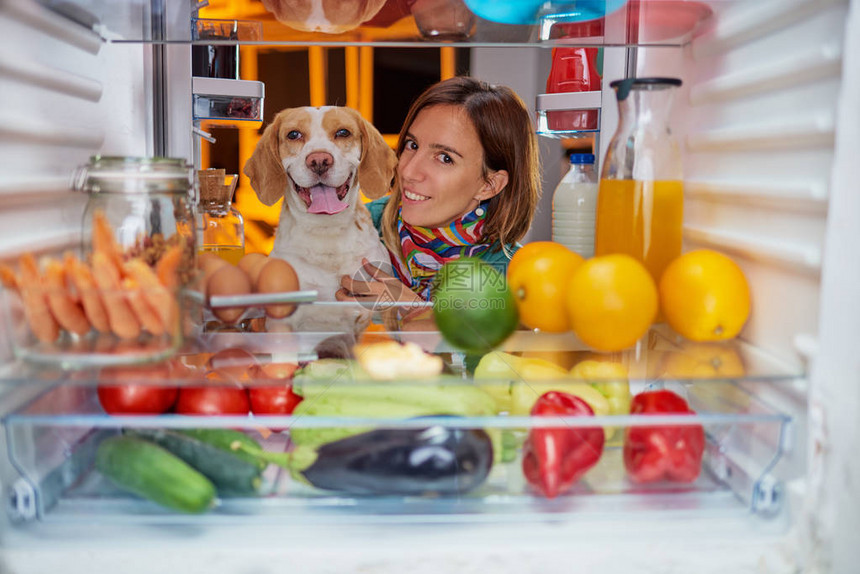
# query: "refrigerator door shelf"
222,99
568,114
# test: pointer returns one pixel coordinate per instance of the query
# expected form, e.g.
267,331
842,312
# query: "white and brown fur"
332,146
330,16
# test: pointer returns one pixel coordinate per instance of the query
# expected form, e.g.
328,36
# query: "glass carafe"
220,226
640,203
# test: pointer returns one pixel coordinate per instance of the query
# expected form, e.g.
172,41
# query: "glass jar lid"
118,174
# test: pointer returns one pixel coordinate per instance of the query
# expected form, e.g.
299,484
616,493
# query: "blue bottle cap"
582,158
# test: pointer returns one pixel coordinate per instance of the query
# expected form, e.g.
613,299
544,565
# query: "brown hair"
504,127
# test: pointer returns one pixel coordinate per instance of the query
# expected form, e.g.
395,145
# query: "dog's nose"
319,162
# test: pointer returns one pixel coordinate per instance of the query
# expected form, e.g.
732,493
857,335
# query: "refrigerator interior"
759,121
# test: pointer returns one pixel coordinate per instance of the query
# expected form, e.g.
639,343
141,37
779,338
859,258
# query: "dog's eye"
294,135
342,133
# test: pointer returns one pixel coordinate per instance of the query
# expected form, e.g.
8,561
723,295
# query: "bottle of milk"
574,205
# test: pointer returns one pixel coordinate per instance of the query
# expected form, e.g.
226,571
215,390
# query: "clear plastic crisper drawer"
364,445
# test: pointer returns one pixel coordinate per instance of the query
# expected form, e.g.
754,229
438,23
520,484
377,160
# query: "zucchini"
230,472
154,473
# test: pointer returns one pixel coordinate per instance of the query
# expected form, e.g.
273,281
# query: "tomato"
273,400
135,390
213,400
136,399
232,364
274,371
279,398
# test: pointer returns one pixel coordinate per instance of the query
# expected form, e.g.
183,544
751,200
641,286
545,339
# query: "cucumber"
152,472
225,440
229,472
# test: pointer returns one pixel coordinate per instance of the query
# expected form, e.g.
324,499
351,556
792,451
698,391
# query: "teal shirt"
497,259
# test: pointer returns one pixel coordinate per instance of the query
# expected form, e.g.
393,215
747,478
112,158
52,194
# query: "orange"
703,361
611,301
374,333
538,275
562,358
719,362
704,296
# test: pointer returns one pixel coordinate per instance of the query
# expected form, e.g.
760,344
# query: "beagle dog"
317,160
329,16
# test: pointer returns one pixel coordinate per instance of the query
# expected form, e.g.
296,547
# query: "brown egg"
278,276
208,263
251,264
228,280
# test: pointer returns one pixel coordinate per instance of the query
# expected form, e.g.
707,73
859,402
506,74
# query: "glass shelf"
405,24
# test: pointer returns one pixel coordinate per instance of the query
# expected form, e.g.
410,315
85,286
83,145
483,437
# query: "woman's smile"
412,196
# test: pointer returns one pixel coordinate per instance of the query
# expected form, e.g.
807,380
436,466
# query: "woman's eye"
410,145
445,158
342,133
294,135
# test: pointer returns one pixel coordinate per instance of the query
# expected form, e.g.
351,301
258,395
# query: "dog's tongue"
324,200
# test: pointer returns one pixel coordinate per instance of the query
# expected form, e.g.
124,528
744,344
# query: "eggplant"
433,460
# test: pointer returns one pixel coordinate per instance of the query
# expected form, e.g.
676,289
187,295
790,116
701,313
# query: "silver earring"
479,212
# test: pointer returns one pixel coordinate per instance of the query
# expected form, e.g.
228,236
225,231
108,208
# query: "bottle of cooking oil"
220,227
640,203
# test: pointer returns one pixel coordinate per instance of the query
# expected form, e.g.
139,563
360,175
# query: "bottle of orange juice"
640,203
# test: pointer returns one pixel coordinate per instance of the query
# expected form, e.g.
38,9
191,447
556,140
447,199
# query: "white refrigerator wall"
756,117
66,96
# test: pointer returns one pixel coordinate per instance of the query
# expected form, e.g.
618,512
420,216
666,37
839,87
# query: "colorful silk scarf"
426,250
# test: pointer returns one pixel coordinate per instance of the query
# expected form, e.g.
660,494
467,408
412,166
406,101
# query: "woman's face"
441,167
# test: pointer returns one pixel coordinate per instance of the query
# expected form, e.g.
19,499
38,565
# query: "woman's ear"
493,185
378,160
265,169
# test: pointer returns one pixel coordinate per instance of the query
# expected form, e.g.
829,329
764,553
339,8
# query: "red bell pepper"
656,453
555,458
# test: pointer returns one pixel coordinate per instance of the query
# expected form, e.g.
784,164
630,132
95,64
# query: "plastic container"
573,70
220,60
574,206
640,205
220,226
532,11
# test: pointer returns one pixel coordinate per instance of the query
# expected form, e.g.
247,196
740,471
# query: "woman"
467,183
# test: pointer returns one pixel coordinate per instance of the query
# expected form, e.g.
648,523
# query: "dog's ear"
265,169
376,168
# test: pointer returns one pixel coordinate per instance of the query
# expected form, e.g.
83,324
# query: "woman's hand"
382,289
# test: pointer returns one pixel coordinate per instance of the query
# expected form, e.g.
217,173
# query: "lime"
473,307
